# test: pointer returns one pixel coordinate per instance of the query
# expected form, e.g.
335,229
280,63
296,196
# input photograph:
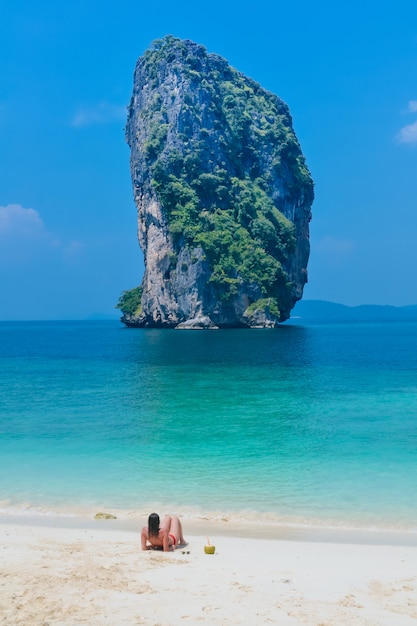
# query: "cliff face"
222,192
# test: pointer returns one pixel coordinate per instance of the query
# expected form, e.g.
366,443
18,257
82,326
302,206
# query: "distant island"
321,311
223,195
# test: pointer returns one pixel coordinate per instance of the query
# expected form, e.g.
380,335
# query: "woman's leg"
176,529
166,523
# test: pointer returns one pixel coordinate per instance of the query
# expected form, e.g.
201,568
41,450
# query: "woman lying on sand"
166,536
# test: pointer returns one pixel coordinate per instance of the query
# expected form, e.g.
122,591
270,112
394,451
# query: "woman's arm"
144,537
165,540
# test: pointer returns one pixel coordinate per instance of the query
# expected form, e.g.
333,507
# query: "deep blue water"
303,423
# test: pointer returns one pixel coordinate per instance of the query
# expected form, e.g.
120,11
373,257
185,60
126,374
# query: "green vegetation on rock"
130,301
262,304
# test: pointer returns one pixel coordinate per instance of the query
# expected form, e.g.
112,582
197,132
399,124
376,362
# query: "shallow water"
303,424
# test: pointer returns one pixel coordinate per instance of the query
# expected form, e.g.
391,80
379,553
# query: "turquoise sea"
311,424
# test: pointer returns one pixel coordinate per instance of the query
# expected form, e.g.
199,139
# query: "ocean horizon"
304,424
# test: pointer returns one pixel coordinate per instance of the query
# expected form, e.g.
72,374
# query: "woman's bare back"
169,535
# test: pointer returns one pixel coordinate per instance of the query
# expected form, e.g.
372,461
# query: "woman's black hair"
153,525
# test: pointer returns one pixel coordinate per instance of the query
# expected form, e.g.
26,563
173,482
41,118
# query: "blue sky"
348,72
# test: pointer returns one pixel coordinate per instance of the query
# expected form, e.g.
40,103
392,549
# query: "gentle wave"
244,518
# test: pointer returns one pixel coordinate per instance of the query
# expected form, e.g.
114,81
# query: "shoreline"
225,528
97,574
385,522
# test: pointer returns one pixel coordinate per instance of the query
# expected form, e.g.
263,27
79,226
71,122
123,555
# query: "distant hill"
323,311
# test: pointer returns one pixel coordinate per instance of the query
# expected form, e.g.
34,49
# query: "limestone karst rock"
222,191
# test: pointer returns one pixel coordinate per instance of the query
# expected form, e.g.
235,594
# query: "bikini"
174,539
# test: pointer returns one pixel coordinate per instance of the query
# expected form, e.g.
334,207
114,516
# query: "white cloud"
24,236
408,134
102,113
73,250
16,220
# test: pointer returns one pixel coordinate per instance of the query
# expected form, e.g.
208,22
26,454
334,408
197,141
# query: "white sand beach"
53,573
